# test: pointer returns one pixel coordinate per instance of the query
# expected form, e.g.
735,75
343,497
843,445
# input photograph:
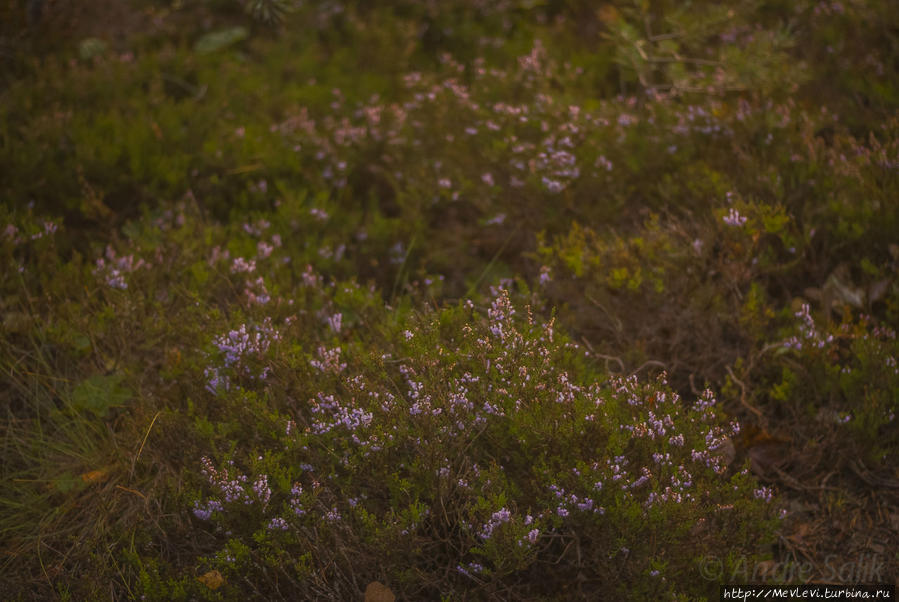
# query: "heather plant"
847,373
482,444
739,272
477,299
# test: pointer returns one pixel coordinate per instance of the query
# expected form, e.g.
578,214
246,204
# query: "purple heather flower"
262,490
733,218
764,493
277,523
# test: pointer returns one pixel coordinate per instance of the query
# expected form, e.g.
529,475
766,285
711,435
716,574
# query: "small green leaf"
81,343
99,393
91,47
67,482
217,40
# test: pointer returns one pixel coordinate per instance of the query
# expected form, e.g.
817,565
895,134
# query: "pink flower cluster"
239,347
113,268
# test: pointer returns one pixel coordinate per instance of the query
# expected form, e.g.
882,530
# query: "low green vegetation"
478,300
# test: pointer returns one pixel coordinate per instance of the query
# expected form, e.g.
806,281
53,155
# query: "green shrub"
214,228
455,452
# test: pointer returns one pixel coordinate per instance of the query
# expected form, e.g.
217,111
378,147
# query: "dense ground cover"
515,300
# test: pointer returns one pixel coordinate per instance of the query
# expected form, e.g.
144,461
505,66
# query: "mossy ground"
512,300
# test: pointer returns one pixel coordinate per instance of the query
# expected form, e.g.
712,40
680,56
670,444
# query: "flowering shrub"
490,442
248,345
721,282
843,378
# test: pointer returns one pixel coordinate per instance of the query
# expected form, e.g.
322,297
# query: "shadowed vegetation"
477,300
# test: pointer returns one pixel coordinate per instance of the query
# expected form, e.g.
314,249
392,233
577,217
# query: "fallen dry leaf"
765,451
878,289
767,456
608,14
95,476
802,530
213,579
378,592
766,568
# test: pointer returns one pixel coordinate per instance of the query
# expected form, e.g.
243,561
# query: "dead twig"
870,478
618,325
649,363
134,491
693,388
743,401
